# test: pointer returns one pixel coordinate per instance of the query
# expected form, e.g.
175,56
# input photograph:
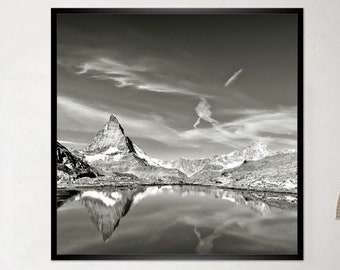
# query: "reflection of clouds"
279,226
204,221
253,234
240,223
205,244
220,222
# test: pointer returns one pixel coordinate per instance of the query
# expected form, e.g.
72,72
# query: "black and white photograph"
177,133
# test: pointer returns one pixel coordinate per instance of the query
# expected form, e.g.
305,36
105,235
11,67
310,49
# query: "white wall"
25,136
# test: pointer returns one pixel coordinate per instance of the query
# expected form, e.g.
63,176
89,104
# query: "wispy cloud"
126,75
241,111
276,127
72,144
203,111
80,111
233,78
272,126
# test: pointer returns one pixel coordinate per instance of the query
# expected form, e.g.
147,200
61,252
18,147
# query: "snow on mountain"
286,151
219,163
152,161
103,155
115,155
187,166
111,136
255,151
112,151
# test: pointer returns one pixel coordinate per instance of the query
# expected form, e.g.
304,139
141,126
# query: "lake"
175,220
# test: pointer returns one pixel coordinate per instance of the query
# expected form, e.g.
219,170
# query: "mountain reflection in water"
179,209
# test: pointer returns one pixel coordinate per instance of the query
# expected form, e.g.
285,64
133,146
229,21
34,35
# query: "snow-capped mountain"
113,154
187,166
110,139
208,166
255,151
112,151
190,167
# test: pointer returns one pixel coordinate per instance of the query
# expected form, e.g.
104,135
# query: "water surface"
175,220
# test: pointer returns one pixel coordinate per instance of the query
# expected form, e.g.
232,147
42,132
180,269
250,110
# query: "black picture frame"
54,14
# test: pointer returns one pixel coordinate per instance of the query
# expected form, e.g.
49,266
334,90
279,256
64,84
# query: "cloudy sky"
180,85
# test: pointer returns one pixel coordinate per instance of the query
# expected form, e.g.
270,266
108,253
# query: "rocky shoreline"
103,183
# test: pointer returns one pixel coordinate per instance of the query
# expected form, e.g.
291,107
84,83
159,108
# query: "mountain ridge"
115,155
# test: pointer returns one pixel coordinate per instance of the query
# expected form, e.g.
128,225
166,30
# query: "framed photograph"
177,134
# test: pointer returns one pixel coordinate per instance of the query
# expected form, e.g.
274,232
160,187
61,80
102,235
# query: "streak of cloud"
203,111
149,126
126,75
70,142
233,78
276,124
269,126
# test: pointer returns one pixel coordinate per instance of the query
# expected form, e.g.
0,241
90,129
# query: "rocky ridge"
70,167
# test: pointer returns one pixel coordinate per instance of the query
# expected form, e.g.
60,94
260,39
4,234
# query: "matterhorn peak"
113,118
111,136
113,123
